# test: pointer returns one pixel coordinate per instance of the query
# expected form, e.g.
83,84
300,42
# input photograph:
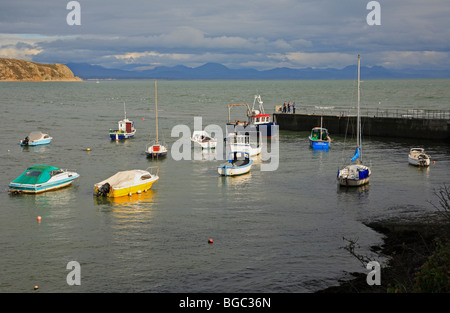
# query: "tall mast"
156,109
358,134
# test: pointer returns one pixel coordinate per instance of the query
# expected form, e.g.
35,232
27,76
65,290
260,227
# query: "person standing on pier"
293,107
289,107
284,107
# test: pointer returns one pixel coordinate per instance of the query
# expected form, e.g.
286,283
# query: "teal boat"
40,178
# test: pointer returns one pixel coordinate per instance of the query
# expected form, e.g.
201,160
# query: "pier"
396,123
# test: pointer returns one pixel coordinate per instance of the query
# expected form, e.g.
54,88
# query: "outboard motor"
103,190
25,141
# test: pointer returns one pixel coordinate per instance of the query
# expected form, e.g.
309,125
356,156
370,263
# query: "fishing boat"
239,163
125,129
40,178
35,139
260,119
355,174
256,117
250,142
156,149
418,157
126,183
203,139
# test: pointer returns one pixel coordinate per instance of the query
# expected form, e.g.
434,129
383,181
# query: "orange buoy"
39,218
434,162
143,118
36,287
210,241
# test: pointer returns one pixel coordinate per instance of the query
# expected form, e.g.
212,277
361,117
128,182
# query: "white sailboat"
156,149
355,174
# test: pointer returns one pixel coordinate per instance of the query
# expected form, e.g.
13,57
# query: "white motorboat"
418,157
36,139
239,163
203,139
355,174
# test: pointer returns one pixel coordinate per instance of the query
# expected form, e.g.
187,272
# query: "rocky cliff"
20,70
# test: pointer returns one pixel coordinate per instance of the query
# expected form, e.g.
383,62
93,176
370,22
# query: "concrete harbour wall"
397,127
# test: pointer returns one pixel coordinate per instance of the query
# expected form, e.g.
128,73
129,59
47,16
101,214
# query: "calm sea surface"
273,231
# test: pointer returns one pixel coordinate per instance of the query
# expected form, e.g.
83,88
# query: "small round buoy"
143,118
210,241
39,218
88,149
36,287
434,162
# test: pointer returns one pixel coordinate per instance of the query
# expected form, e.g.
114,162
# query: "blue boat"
36,139
319,139
125,129
40,178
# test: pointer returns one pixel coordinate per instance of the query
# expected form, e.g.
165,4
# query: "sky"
259,34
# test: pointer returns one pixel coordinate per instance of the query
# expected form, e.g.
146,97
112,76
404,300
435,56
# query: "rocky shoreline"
20,70
418,259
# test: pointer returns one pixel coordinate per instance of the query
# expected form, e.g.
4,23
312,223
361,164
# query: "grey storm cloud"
255,33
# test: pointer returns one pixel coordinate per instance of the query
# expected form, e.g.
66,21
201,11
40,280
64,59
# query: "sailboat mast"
358,138
156,110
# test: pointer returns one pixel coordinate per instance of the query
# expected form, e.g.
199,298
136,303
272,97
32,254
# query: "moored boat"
125,183
250,142
203,139
40,178
156,149
355,174
319,139
35,139
125,129
239,163
418,157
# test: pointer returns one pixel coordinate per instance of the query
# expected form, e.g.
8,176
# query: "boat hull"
52,184
227,170
354,175
319,144
121,136
266,129
419,162
126,191
37,143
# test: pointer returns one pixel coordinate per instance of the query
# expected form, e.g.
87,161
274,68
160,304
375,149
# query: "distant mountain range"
219,71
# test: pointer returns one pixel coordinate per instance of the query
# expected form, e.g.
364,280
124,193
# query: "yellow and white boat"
126,183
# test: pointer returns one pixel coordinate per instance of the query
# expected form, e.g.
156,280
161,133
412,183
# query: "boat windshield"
33,173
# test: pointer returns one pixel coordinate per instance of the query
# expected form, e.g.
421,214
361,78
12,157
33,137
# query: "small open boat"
35,139
239,163
40,178
319,138
125,129
125,183
418,157
204,140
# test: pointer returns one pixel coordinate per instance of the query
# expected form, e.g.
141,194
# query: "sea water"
274,231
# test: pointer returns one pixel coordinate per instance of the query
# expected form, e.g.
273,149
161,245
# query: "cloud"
259,33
